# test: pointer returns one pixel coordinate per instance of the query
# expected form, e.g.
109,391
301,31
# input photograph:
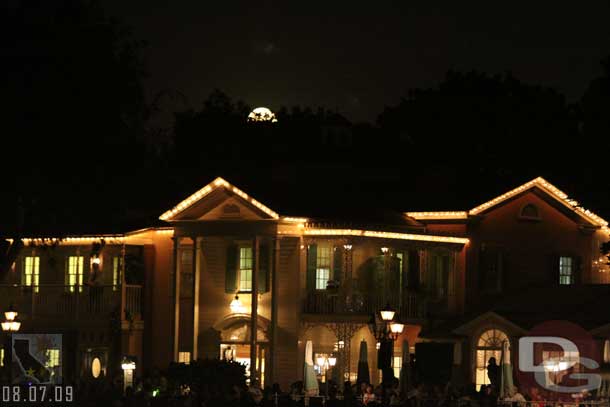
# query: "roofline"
539,182
217,183
384,235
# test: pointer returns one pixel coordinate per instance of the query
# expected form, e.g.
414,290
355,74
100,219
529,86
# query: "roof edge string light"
384,235
217,183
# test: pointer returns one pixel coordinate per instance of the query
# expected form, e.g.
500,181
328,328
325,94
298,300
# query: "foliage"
214,373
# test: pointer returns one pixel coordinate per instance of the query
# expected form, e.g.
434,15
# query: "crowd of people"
155,391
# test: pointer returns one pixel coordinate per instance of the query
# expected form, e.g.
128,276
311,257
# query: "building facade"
187,290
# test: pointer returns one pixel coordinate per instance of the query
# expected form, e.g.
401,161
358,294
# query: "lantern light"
384,250
341,344
10,314
332,361
320,361
397,328
387,313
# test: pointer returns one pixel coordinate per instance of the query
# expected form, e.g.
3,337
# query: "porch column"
176,297
254,313
273,327
196,277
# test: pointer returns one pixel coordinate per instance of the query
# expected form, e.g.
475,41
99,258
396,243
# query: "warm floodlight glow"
262,114
236,306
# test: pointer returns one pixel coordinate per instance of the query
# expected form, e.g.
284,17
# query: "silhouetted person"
493,372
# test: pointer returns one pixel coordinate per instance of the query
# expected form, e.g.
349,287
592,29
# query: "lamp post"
386,330
128,365
325,362
9,326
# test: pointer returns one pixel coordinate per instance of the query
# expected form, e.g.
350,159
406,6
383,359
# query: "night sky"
357,57
441,106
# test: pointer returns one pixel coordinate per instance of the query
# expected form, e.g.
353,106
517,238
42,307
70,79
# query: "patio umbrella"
363,365
310,380
457,375
506,372
405,369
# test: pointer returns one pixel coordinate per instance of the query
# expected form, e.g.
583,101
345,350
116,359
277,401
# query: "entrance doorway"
240,353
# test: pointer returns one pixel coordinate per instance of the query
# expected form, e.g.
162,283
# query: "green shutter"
378,277
394,277
231,271
264,262
338,264
312,259
577,270
405,271
414,269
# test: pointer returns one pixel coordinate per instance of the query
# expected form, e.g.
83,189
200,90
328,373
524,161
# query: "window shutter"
264,262
554,269
394,277
577,279
231,271
414,269
406,274
312,259
338,264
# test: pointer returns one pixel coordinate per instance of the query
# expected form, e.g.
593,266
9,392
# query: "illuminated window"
245,269
116,272
489,346
184,357
566,270
397,365
31,270
75,272
322,267
52,358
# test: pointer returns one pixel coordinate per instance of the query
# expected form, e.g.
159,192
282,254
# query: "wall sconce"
384,250
236,306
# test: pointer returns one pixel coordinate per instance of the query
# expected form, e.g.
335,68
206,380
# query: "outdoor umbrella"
363,365
310,381
405,369
457,376
506,373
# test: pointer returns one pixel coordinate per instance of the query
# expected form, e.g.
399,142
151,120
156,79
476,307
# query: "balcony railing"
408,305
71,302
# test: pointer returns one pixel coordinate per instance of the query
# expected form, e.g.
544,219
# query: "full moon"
262,114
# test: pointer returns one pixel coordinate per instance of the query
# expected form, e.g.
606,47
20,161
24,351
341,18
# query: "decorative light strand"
218,182
384,235
552,190
538,182
439,215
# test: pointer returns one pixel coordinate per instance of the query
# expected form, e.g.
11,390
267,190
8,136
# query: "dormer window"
530,211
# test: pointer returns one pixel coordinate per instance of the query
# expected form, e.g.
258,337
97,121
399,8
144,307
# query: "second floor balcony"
74,302
409,306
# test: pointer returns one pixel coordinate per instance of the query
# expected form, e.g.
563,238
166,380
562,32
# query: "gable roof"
206,190
539,183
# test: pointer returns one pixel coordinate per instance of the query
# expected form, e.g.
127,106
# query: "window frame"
78,276
34,273
240,270
566,278
324,271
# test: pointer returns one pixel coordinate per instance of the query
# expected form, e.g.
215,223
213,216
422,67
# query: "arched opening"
489,345
235,334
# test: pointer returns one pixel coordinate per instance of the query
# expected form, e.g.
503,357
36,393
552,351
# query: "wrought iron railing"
70,302
408,305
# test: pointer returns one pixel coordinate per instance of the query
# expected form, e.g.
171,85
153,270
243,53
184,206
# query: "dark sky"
359,56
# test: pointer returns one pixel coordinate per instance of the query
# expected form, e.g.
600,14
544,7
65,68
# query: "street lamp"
386,330
10,326
325,362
